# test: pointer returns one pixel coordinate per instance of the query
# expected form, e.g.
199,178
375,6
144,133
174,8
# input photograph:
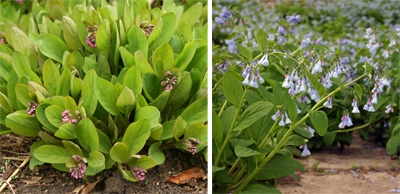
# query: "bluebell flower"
281,40
362,59
328,103
293,19
219,20
276,115
282,30
317,68
305,152
305,43
389,109
225,14
392,43
249,79
346,122
355,106
298,110
231,46
264,60
311,130
385,54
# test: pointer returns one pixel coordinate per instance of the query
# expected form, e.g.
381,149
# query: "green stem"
216,85
266,139
229,134
287,134
222,108
357,128
234,165
239,174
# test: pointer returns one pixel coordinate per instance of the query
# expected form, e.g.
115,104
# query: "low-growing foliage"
300,74
104,83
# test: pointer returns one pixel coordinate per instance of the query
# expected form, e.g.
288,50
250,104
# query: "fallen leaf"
187,175
78,189
89,187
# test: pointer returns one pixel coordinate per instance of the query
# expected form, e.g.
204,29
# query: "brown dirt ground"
46,179
378,172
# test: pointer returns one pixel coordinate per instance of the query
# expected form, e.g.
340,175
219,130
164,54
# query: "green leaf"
144,162
258,188
72,148
163,59
63,84
52,154
262,41
105,95
23,124
41,116
295,140
133,80
51,46
278,166
233,89
169,24
22,92
142,63
21,67
103,37
358,90
320,121
136,135
50,76
137,40
181,91
89,100
87,135
156,153
184,58
5,104
161,100
67,131
244,51
196,112
54,115
253,113
126,101
96,159
150,112
119,152
191,15
127,58
70,33
243,152
329,138
321,90
282,98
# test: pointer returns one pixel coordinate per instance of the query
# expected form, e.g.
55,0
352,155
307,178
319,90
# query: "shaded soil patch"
46,179
360,168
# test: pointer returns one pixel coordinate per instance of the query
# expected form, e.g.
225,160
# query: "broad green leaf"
233,89
136,135
50,76
70,33
258,188
22,92
51,46
321,90
72,148
103,37
127,58
282,98
169,24
21,67
96,159
163,59
144,162
358,90
5,104
320,121
150,112
262,41
142,63
64,83
253,113
105,95
52,154
243,152
191,15
137,40
41,116
87,135
89,100
181,91
67,131
156,153
23,124
161,100
54,115
244,51
184,58
49,139
119,152
329,138
278,166
126,101
133,80
196,112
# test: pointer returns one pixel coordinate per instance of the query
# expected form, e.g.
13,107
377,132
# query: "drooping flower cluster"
346,122
251,78
389,109
191,143
79,170
223,16
169,81
70,118
328,103
140,173
293,19
223,67
91,37
305,152
31,110
20,1
147,28
355,106
285,120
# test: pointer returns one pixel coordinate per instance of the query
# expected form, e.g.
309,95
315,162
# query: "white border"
209,92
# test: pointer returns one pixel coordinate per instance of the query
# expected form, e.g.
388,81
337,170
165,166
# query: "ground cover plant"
295,77
104,83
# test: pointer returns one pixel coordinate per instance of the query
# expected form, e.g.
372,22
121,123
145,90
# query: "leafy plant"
104,84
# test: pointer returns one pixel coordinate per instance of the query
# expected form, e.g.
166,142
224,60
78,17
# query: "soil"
361,168
46,179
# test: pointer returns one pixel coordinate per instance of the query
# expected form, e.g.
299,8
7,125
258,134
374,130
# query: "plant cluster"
298,75
104,83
